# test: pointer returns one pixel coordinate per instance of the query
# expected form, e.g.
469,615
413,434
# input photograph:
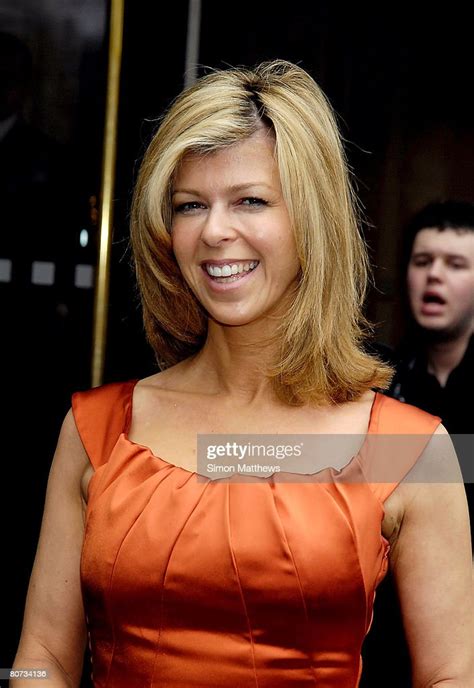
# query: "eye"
252,201
420,262
185,208
457,265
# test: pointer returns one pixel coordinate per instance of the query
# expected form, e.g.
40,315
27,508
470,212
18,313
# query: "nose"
219,226
436,269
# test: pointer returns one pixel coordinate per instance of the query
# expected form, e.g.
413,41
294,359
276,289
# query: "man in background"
435,360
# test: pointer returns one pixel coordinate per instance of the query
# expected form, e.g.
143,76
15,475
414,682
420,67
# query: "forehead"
447,241
252,159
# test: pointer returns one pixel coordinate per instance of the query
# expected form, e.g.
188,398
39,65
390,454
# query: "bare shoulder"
352,416
71,464
364,401
367,399
70,454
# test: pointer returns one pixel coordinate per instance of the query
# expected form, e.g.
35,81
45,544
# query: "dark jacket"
415,385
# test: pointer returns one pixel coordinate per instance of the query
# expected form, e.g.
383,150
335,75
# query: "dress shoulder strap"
397,437
101,415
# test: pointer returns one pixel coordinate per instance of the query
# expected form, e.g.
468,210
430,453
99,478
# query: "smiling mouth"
229,272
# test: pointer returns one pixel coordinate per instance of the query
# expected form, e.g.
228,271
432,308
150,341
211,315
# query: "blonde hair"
320,337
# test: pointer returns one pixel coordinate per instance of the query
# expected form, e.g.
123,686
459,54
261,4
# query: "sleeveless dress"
207,583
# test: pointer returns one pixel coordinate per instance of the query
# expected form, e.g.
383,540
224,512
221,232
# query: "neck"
443,355
233,361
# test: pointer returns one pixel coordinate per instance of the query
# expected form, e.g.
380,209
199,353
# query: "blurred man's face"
441,281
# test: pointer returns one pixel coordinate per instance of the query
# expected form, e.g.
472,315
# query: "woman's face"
231,232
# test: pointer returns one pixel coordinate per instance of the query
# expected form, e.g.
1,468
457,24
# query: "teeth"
230,270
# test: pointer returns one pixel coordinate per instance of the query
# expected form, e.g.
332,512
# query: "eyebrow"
445,255
232,189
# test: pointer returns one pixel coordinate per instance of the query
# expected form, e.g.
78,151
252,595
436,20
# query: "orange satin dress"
215,583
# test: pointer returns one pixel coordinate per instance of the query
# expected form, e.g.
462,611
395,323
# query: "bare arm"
54,633
431,562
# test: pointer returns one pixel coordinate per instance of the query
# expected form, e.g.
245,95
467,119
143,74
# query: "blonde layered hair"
320,337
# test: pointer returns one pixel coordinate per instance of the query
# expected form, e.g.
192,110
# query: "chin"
440,332
431,324
230,321
437,328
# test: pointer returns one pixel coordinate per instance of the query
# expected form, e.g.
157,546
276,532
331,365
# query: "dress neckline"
371,429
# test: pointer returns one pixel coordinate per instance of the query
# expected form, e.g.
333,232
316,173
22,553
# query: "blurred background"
397,74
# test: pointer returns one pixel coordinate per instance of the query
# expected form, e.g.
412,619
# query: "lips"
230,269
231,280
432,303
433,297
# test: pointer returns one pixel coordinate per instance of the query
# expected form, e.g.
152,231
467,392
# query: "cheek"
414,282
288,252
464,292
180,246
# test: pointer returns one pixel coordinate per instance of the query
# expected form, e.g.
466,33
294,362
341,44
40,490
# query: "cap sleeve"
101,415
395,442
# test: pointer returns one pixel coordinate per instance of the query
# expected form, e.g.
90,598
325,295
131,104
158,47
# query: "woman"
252,275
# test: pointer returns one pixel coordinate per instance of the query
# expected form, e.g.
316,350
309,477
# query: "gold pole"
101,296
